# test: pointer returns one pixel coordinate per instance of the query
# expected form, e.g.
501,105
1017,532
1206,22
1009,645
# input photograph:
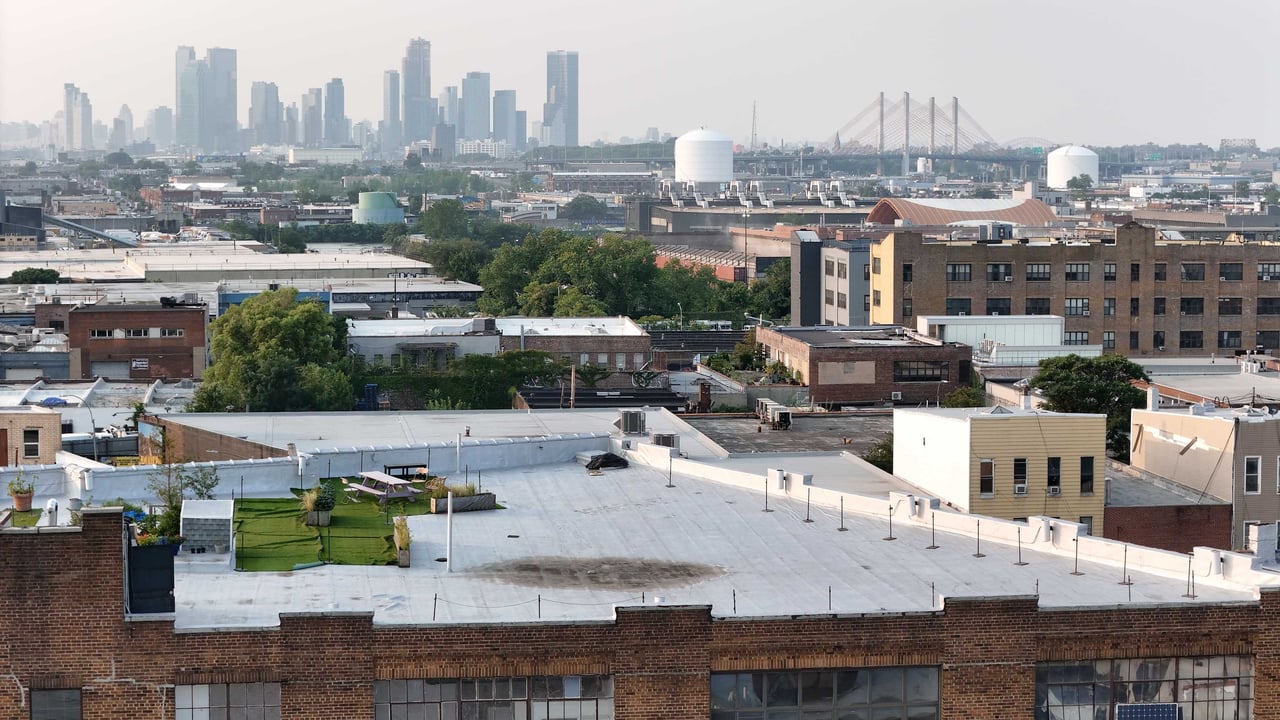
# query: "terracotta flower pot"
22,502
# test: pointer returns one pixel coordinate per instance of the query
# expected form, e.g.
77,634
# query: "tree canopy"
444,220
584,207
273,353
34,276
1075,384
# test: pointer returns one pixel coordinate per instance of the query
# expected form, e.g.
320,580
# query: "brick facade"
1172,527
571,348
152,341
62,617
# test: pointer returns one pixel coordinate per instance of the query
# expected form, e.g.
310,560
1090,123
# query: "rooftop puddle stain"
597,573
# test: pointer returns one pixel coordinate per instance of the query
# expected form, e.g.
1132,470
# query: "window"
1109,272
1037,306
1133,339
866,271
1135,272
997,272
829,267
602,359
842,300
1161,271
227,701
959,306
1205,687
907,272
1229,339
1253,475
1087,522
1075,337
1019,476
1191,306
1054,472
1108,340
842,270
555,696
1269,306
1269,271
136,332
881,692
1158,305
1077,272
584,359
1157,339
1076,306
829,297
986,476
172,332
959,272
920,370
1230,306
637,360
999,306
875,298
875,265
99,334
1190,339
1268,339
55,704
1109,306
1193,272
30,443
1231,272
1038,272
619,361
907,310
1086,475
866,302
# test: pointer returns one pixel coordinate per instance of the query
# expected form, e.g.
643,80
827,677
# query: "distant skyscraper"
475,106
444,141
522,130
312,118
121,129
337,129
416,77
264,113
77,118
219,121
560,113
160,127
187,75
504,117
391,139
290,129
449,107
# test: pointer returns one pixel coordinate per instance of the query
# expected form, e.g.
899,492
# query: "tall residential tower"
390,138
416,79
560,113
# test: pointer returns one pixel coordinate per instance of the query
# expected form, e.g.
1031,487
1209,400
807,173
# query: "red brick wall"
168,357
1176,527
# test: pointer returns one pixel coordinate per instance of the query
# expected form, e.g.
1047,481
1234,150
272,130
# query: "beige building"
30,435
1005,462
1139,292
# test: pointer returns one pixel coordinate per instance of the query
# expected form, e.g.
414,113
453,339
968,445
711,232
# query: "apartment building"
1006,462
1139,292
830,280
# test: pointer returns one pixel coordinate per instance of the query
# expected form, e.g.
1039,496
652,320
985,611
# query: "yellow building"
1005,462
30,435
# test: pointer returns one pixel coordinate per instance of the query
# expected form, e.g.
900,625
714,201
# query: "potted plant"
402,539
21,491
317,503
465,498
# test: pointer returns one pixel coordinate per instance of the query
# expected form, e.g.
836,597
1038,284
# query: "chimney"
1153,397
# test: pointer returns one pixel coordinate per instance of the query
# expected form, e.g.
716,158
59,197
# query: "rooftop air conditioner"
671,440
1055,490
631,422
895,396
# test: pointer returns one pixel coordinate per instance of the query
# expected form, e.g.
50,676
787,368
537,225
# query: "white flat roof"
617,326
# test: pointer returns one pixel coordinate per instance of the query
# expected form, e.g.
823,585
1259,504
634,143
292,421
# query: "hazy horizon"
1090,72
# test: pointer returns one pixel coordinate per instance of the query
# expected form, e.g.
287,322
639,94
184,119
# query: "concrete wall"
932,452
1158,444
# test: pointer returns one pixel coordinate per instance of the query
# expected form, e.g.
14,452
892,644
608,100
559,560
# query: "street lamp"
679,305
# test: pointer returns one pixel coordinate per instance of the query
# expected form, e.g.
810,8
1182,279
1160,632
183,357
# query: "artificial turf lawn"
25,519
271,534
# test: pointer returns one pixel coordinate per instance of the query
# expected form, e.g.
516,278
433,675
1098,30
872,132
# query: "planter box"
479,501
318,518
22,503
402,558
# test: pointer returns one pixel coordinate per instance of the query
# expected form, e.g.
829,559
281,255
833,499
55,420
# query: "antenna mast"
753,126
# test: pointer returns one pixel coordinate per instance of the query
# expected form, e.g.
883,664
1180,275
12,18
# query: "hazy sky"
1086,71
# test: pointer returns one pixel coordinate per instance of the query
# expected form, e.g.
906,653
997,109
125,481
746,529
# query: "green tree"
1271,194
1242,188
584,207
965,397
573,303
28,169
591,375
89,169
273,353
881,454
456,259
191,167
34,276
444,220
413,161
395,234
512,269
1074,384
291,240
118,158
488,381
1080,185
771,295
127,184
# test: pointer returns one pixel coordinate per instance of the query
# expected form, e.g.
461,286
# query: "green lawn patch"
25,519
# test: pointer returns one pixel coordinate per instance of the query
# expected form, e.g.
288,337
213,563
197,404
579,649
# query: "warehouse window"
1109,272
1269,306
959,272
997,272
920,370
1190,339
1193,272
1162,271
907,307
907,272
137,332
1230,306
1109,306
1229,339
1158,305
227,701
1077,272
959,306
999,306
55,704
518,698
1108,340
829,267
1191,306
883,692
172,332
1076,306
1219,686
1157,339
1231,272
829,297
1038,272
1038,306
1135,272
1075,337
100,334
842,300
842,270
1269,271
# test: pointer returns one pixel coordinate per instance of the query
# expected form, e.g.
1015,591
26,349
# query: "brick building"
868,365
30,435
137,341
617,343
1139,292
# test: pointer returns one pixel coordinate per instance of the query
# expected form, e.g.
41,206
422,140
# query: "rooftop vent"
631,422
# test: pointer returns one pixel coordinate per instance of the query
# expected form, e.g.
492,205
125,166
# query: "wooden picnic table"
386,487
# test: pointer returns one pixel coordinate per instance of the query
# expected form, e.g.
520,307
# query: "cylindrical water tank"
377,208
704,157
1070,161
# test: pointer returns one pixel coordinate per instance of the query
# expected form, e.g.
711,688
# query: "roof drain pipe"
448,533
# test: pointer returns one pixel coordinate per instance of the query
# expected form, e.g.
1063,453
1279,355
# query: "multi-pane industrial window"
509,698
1075,337
1267,339
920,370
999,306
1086,475
1039,272
1203,687
1108,340
1158,305
1230,306
1191,305
1157,339
1161,271
1077,272
1108,306
997,272
99,334
907,272
1108,271
1133,339
1269,271
1076,306
136,332
842,270
232,701
959,272
1038,306
842,300
1229,339
1231,271
30,443
1135,272
884,692
986,476
907,309
1190,339
1253,475
55,704
172,332
1268,305
1053,470
1135,307
829,296
829,267
959,306
1193,272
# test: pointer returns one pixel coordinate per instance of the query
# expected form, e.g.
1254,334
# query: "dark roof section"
946,212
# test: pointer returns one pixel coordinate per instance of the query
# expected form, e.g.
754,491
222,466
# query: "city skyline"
1088,72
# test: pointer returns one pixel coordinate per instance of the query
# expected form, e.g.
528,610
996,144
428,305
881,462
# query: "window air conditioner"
962,314
1008,278
895,396
1019,488
1222,279
1161,348
1266,277
1184,312
1055,490
1085,313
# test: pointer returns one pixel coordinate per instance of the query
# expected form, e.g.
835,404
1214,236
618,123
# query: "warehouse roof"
890,211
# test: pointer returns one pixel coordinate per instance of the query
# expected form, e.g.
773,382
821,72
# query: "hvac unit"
962,314
1222,279
631,422
1266,277
1008,278
895,396
670,440
1019,488
1055,490
1085,313
1161,348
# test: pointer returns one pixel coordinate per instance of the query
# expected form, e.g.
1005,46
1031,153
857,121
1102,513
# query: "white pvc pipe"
448,533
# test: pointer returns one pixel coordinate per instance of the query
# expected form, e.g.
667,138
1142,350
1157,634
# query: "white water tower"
1070,161
704,158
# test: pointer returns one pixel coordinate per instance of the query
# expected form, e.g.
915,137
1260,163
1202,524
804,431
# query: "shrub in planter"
317,503
402,539
21,491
